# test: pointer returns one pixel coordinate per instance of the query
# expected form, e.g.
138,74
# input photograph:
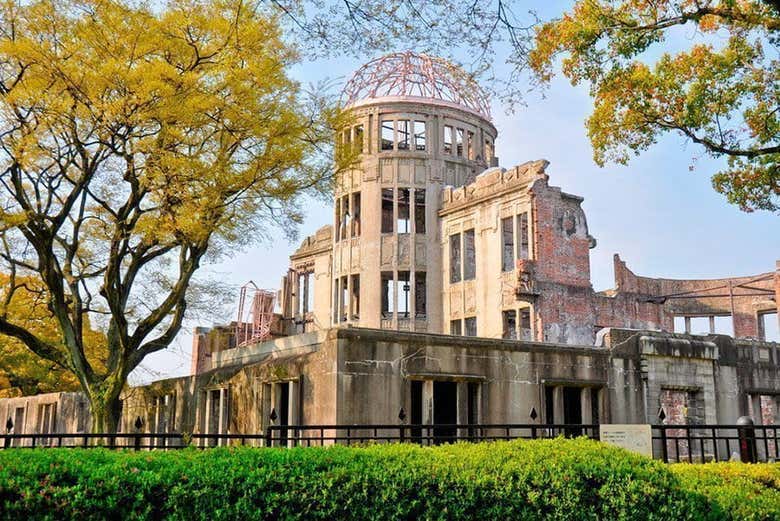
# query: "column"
755,409
585,405
463,407
558,416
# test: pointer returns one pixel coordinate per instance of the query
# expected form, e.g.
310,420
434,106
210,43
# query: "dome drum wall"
387,266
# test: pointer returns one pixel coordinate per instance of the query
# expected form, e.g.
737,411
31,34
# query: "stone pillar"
207,415
558,416
223,414
292,402
755,409
427,402
463,407
602,397
585,405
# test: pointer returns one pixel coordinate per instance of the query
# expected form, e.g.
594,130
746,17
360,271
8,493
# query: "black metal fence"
671,443
704,443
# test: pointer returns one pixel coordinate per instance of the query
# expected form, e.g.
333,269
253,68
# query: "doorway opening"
445,411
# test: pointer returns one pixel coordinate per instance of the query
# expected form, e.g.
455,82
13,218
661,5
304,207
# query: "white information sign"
634,437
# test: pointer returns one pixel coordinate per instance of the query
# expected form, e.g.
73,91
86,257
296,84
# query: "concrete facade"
352,375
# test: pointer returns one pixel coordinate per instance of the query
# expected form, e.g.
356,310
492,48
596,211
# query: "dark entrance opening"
594,404
572,409
415,417
549,406
445,411
284,410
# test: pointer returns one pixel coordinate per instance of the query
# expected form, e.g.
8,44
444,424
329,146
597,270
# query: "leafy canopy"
24,373
722,91
132,143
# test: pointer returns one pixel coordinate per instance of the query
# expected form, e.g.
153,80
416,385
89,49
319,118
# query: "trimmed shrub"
543,479
745,492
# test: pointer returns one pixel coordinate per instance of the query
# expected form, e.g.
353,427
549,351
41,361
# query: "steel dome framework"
409,74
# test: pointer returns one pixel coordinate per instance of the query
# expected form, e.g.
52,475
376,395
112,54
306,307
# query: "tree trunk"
106,410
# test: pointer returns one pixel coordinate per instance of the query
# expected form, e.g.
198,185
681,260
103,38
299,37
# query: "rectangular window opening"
419,210
300,293
470,145
310,291
387,210
723,325
508,241
447,139
344,223
470,257
403,211
404,294
419,136
345,300
769,328
470,326
679,324
525,324
459,142
510,324
522,231
455,327
355,299
388,136
455,256
700,325
404,134
420,297
356,214
358,138
387,294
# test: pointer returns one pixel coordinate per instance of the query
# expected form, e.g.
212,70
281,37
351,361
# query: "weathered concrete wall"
365,376
375,371
65,412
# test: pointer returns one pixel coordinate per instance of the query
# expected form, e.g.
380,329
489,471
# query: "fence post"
747,439
401,418
533,415
268,436
664,447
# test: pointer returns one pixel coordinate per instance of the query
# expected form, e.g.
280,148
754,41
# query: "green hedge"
544,479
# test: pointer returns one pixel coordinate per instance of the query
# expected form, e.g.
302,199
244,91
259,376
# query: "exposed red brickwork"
568,310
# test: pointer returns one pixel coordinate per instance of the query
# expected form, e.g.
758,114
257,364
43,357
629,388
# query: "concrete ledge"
286,346
436,339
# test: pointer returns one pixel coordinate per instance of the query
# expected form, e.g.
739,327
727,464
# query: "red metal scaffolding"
254,318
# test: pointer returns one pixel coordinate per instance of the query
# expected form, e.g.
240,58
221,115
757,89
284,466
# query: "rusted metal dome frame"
415,75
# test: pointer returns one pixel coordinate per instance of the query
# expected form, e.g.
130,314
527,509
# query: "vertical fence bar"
766,442
690,443
664,447
714,445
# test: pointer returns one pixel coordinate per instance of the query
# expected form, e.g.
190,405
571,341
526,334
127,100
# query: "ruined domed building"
459,292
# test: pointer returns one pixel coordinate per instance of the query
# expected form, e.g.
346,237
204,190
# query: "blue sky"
664,219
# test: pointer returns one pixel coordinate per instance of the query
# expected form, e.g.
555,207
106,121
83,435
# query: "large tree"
721,90
135,144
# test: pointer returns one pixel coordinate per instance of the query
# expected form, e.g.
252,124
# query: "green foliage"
744,491
720,91
545,479
137,143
